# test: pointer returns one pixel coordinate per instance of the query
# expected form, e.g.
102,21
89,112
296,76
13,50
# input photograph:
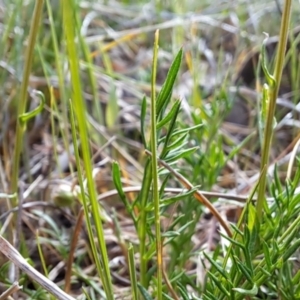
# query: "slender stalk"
132,273
147,180
60,74
268,132
80,111
23,95
155,170
82,189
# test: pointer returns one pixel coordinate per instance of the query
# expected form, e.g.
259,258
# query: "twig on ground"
11,290
14,256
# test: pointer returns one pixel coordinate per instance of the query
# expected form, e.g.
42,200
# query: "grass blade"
35,25
80,110
132,272
153,143
164,94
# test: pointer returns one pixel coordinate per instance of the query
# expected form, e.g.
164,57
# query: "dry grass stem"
15,257
10,291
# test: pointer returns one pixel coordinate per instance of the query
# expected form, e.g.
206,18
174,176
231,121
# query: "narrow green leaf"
171,200
167,297
116,175
289,240
164,184
264,107
250,241
178,231
175,150
270,78
176,221
169,83
101,257
267,255
265,272
24,118
237,230
144,292
219,284
181,131
244,270
280,261
143,120
185,226
218,267
251,292
173,113
210,297
142,201
277,181
289,251
173,156
171,128
170,234
132,273
296,280
183,291
161,114
232,241
251,217
178,142
23,96
117,179
284,295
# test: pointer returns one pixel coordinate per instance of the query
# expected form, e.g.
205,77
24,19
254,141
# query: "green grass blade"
118,184
35,25
60,74
80,111
144,293
164,94
143,201
83,196
171,114
132,272
143,120
155,184
276,79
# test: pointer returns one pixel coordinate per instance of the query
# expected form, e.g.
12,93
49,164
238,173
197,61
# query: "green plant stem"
132,273
143,223
268,132
35,25
155,170
80,112
61,84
